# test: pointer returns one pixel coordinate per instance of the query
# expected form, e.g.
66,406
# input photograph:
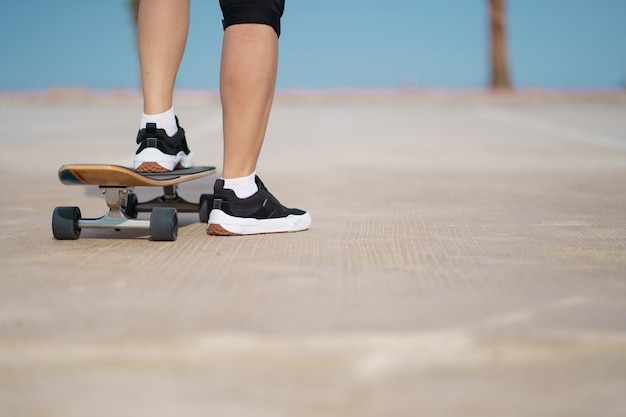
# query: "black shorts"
266,12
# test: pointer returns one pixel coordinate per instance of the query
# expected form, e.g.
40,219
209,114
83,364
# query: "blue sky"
328,44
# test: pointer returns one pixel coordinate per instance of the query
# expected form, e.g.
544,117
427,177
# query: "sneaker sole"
154,167
151,167
153,160
217,230
221,224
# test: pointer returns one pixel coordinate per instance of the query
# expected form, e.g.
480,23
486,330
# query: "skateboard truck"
122,202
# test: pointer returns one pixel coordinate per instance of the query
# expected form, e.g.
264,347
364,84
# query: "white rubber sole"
167,162
221,223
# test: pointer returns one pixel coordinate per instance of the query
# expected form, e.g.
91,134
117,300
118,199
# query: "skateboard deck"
116,175
117,184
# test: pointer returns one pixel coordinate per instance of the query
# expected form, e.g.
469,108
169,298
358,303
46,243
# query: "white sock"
243,187
166,120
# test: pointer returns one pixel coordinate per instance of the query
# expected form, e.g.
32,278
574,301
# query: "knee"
267,12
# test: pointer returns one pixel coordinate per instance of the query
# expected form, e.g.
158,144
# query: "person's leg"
247,80
242,204
162,34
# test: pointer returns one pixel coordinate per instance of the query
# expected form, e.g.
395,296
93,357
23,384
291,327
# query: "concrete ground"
467,257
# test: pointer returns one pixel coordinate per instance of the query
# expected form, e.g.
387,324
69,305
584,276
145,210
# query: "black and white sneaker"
158,152
259,213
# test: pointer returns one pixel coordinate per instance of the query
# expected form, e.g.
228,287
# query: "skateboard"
117,183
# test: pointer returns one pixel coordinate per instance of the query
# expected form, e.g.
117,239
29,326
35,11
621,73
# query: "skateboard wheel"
131,206
65,223
205,206
164,224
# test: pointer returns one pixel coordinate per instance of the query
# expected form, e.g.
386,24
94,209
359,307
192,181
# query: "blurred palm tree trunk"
134,6
500,79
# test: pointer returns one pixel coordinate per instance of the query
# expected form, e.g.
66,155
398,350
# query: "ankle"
165,120
243,187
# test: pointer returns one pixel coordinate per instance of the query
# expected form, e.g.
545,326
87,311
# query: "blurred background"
328,44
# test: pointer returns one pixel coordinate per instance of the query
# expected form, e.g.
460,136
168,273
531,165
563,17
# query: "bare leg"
247,82
162,35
